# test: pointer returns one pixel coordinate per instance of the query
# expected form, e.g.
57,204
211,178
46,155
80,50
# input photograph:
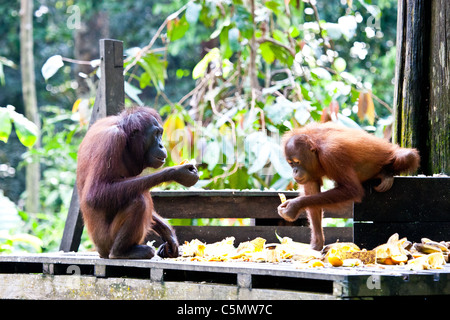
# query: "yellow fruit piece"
340,248
351,263
282,197
184,162
315,264
402,258
258,243
392,252
193,248
335,261
432,261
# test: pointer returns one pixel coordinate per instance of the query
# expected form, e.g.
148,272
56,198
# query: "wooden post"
109,101
439,111
412,85
422,93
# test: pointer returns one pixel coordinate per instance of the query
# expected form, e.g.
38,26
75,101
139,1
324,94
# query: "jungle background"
229,77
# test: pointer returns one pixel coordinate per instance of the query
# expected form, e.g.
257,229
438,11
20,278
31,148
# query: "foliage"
26,131
61,135
228,76
275,66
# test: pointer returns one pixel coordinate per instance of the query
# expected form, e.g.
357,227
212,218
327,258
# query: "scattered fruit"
426,255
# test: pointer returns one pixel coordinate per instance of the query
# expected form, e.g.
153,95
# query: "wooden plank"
410,199
74,225
337,283
439,111
225,204
370,235
110,100
37,287
210,234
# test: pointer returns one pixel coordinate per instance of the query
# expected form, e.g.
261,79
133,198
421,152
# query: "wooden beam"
110,100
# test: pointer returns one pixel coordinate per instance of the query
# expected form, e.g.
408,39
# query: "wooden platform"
86,276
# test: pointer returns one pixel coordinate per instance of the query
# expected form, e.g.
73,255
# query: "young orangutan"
346,156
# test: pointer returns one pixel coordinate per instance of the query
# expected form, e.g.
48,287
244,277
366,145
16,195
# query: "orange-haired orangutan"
115,200
346,156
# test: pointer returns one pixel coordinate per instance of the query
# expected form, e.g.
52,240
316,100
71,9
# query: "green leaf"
176,28
200,68
26,131
5,125
155,69
267,53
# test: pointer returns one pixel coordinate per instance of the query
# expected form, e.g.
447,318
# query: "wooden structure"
260,206
414,207
422,86
86,276
109,101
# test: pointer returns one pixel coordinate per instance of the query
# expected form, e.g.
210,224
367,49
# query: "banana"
436,244
426,248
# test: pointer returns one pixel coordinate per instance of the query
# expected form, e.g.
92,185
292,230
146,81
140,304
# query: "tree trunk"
29,98
422,96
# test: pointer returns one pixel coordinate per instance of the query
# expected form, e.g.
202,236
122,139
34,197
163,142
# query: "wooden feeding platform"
86,276
70,275
415,207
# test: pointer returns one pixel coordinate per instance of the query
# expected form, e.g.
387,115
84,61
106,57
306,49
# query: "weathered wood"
415,207
38,287
422,90
109,101
411,199
73,227
412,85
369,235
225,204
258,205
168,279
439,111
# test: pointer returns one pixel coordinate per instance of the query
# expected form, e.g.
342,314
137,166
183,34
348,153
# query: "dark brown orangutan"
115,200
346,156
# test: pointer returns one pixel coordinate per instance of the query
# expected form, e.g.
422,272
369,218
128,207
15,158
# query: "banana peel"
392,252
431,261
339,248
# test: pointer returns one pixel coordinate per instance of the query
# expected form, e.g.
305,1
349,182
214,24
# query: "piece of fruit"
315,263
426,248
402,258
335,261
351,263
339,248
282,197
258,243
435,244
431,261
184,162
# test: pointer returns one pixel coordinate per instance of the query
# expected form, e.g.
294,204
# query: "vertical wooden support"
109,101
439,111
422,90
412,85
